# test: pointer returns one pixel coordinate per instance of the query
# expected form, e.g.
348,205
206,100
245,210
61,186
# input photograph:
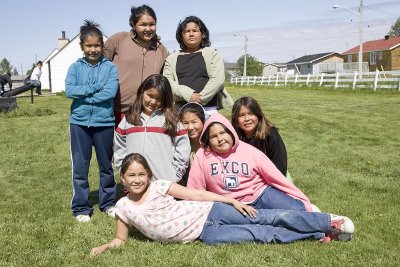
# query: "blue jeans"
272,198
82,140
227,225
37,84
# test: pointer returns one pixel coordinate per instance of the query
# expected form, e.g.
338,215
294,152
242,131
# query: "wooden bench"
8,100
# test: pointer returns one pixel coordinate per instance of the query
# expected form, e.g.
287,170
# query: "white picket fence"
374,80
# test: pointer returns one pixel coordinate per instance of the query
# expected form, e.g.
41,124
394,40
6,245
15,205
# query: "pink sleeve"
275,178
196,178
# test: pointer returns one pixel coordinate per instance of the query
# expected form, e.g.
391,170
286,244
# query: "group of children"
242,163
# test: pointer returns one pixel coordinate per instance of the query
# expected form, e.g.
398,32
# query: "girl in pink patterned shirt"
214,219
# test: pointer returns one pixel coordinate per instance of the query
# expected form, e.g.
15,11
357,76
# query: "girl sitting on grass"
151,208
228,166
253,127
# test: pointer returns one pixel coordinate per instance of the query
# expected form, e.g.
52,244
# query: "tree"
254,67
15,71
395,29
5,66
29,72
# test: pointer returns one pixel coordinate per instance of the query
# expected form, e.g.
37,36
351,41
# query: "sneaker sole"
344,237
82,219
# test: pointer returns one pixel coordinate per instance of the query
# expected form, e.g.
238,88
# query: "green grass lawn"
343,150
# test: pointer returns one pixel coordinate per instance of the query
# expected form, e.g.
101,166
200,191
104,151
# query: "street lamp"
245,55
360,15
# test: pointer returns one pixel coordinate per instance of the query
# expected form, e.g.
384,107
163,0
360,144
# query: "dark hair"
264,125
194,108
163,86
205,39
39,63
135,157
205,138
90,28
137,12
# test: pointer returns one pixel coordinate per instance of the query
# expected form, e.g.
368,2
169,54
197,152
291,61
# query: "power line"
384,12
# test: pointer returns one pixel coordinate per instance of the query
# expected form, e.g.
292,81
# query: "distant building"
382,54
230,70
55,66
329,62
271,69
19,80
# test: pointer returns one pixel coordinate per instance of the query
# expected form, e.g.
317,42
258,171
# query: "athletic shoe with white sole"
82,218
342,229
111,211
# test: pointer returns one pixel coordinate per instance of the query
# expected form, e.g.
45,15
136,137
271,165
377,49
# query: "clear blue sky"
277,31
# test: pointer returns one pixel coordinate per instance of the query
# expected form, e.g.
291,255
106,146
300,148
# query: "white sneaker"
341,224
111,211
82,218
342,228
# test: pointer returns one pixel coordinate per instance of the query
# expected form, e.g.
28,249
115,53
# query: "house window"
372,58
309,65
380,55
350,58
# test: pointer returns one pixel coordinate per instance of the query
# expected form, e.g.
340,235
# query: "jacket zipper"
143,54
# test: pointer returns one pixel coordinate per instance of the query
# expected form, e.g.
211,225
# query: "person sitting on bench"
35,77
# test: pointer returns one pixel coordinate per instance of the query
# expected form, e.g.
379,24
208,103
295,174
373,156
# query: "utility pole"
360,15
360,52
245,56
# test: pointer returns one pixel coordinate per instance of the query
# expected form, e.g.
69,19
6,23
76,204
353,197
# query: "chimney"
62,41
387,37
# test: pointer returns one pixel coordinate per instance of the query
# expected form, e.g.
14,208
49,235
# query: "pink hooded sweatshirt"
242,173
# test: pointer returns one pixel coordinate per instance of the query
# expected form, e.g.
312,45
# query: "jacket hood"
216,117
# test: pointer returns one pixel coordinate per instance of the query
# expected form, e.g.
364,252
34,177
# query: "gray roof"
229,65
19,77
310,58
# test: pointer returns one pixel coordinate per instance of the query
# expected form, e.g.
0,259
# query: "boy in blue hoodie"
92,83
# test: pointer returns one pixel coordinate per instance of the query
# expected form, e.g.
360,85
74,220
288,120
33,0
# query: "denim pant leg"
103,143
226,225
272,198
81,154
37,84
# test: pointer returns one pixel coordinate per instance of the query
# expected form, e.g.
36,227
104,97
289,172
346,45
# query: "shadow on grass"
135,234
94,195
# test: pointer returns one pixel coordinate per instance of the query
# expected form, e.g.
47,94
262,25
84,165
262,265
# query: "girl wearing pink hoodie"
228,166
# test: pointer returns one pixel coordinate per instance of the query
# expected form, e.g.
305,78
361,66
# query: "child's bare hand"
98,250
245,209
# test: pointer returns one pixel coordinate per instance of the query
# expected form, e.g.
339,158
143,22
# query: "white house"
273,69
55,66
329,62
